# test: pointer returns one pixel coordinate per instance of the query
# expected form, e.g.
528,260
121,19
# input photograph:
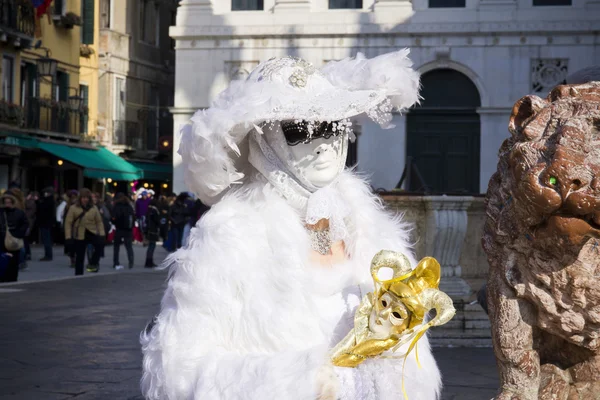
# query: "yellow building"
45,117
88,62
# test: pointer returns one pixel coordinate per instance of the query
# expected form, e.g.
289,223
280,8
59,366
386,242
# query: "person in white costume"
272,274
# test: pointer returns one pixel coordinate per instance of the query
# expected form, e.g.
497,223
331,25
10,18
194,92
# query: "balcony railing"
137,135
128,133
17,16
52,116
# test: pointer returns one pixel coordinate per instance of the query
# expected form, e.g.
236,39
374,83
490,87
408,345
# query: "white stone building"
477,57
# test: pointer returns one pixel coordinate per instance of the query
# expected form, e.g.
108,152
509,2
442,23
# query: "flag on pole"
41,6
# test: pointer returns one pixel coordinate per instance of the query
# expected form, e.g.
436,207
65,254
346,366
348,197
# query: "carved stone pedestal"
447,222
446,230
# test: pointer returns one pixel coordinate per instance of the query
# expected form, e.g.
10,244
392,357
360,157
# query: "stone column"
181,116
445,234
292,5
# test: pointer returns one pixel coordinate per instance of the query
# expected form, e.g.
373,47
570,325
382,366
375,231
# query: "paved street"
59,267
78,339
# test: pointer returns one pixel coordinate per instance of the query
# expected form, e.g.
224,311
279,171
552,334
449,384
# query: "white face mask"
318,161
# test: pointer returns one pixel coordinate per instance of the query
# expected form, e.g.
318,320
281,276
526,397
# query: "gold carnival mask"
394,314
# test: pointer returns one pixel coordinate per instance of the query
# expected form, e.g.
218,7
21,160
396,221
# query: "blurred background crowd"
83,222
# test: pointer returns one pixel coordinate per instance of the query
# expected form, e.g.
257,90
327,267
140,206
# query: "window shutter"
63,86
83,117
59,7
87,34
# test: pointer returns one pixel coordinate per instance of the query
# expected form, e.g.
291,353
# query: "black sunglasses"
297,132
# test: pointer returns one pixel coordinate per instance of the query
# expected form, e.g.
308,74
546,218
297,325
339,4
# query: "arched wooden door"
443,135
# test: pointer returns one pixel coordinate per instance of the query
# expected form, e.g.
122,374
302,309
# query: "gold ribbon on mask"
417,290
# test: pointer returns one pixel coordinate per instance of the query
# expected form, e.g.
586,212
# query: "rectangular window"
120,99
105,14
247,5
87,16
60,120
173,23
61,89
59,7
8,77
447,3
153,125
149,22
552,2
28,82
341,4
143,12
84,92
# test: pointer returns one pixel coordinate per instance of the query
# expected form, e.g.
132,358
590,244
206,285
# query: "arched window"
443,135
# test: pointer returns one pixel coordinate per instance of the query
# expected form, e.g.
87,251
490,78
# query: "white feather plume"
391,72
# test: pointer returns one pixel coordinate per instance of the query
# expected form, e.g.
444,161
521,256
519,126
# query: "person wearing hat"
13,228
84,226
141,209
272,275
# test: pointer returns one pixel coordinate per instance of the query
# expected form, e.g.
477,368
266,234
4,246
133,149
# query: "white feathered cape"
246,316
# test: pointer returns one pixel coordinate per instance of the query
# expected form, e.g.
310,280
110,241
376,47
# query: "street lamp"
75,101
46,66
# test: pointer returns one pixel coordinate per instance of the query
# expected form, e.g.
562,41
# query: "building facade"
48,106
136,60
476,57
36,103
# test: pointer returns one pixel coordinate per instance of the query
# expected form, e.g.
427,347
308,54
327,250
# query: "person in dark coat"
46,217
13,220
123,218
152,231
178,216
163,208
72,197
30,210
198,211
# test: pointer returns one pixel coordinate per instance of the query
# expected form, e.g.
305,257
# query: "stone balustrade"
449,228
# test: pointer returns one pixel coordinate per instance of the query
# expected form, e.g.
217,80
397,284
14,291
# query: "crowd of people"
85,222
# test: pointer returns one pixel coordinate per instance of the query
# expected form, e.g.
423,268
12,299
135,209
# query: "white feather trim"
246,316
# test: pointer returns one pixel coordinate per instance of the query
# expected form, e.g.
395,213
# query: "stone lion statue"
542,238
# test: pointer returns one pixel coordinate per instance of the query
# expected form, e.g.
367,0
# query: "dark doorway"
443,135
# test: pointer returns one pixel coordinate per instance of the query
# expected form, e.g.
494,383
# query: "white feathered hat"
289,88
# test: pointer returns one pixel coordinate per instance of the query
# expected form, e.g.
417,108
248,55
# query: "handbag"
11,243
110,237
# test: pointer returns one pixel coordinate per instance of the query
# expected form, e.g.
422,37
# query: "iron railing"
52,116
128,133
137,135
17,16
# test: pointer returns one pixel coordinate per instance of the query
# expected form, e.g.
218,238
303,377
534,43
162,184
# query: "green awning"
97,163
19,141
155,171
